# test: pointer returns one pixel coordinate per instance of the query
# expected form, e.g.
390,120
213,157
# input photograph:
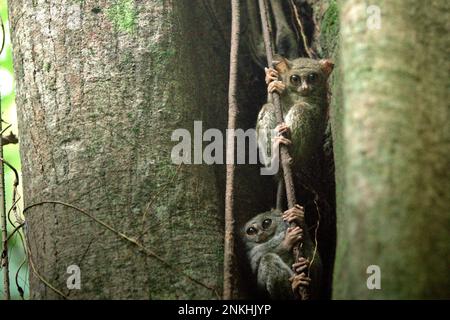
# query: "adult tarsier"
303,96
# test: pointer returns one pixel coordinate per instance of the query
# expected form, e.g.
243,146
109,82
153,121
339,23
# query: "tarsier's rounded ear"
327,66
281,64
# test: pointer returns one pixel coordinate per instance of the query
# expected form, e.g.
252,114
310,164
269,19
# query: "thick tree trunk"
395,178
101,85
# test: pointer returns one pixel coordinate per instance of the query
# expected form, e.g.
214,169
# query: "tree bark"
394,179
101,85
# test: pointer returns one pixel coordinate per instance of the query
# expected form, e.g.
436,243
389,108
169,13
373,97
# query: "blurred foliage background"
11,154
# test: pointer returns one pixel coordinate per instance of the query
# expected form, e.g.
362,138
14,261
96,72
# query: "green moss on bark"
329,28
123,15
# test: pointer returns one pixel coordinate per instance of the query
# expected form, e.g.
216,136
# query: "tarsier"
269,242
303,94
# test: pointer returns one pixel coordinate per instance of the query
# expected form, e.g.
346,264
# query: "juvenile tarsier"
269,242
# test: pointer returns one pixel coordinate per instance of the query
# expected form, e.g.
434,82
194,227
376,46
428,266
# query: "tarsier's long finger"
295,234
304,283
300,280
276,86
290,217
285,141
280,140
294,230
294,212
303,278
270,71
301,265
270,79
289,230
301,269
279,86
281,128
291,239
271,75
295,237
299,215
271,87
294,209
297,210
287,213
298,283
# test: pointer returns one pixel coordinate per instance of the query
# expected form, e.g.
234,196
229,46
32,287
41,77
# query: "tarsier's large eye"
296,80
251,231
266,223
312,77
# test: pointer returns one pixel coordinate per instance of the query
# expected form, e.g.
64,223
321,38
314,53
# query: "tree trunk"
395,178
101,85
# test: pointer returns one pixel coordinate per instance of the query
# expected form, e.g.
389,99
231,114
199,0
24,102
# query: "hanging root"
40,277
316,230
229,241
3,35
16,278
301,28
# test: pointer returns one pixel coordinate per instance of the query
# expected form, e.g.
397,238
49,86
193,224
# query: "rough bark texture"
101,85
395,178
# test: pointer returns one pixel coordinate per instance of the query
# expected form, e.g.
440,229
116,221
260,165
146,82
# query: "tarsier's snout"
304,89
